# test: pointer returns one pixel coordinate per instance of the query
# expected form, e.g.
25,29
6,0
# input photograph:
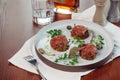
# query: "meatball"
79,31
88,51
59,43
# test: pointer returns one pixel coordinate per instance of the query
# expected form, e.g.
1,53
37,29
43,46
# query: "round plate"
43,41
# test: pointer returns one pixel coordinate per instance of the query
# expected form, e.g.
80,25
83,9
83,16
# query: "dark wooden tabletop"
17,28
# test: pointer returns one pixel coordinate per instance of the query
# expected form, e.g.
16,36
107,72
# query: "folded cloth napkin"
51,73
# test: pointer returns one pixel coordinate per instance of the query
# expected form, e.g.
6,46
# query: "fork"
34,62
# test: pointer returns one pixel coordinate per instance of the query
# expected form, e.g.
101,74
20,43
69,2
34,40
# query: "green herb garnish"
98,41
74,60
54,32
62,57
80,42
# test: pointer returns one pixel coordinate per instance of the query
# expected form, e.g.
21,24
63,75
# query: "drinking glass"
42,11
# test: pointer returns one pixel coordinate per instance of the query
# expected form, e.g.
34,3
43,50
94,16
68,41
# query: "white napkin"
51,73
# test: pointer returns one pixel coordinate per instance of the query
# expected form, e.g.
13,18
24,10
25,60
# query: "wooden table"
17,28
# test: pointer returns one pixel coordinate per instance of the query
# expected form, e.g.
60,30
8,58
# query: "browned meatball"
88,51
79,31
59,43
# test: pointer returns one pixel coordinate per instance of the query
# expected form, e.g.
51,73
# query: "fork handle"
43,78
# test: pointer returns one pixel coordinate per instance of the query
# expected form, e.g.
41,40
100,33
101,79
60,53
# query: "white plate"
42,39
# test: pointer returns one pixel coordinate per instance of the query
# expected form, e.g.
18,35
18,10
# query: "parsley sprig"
98,41
73,61
62,57
80,42
54,32
77,41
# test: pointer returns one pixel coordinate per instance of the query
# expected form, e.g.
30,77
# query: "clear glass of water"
42,11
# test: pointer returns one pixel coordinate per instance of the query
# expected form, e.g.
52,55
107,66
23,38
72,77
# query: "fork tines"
30,59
